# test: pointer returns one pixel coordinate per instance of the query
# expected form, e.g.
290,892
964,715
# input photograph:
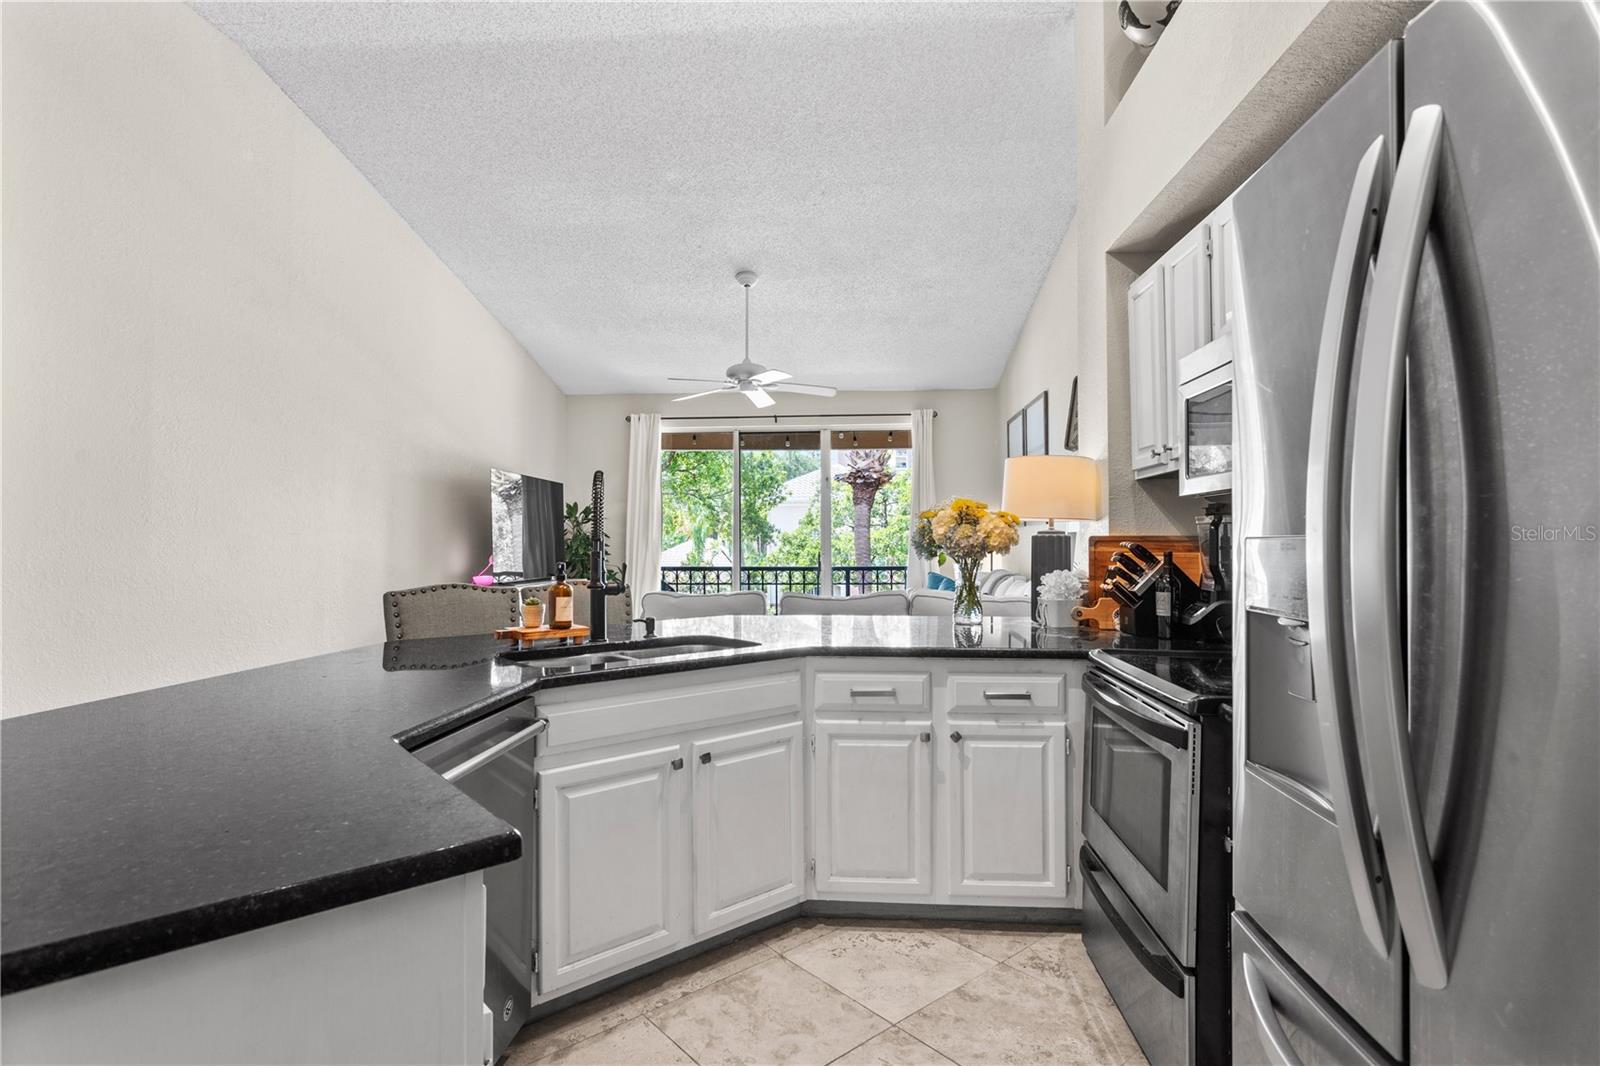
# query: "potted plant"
1059,591
966,531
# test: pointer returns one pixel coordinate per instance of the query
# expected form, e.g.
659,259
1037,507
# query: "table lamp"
1048,487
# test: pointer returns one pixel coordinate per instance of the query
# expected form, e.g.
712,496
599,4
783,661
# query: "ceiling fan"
755,381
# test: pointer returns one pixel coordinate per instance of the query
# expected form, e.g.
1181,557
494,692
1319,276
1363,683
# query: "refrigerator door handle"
1377,551
1327,576
1277,1044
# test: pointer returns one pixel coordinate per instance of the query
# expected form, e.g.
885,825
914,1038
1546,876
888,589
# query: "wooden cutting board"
1185,552
576,633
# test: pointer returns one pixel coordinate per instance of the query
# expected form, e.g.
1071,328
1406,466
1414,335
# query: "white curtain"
923,493
642,545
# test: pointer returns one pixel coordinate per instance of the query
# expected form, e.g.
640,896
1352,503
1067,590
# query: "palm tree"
866,471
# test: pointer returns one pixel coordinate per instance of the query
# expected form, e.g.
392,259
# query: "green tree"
866,471
697,500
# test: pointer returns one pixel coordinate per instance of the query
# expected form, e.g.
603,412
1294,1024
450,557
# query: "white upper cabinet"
1007,809
614,868
1148,374
749,825
1176,307
1222,268
1188,275
872,821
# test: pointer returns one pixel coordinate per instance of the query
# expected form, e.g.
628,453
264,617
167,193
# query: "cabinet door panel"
1007,810
873,808
612,865
749,833
1188,274
1222,259
1147,371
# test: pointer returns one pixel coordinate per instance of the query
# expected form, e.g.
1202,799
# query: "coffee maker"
1210,617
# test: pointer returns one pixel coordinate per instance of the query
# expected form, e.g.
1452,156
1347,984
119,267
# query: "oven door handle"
534,727
1137,716
1140,939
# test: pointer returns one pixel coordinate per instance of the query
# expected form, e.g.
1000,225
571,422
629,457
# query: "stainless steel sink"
572,658
697,648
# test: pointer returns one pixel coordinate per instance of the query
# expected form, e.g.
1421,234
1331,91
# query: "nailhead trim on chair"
393,599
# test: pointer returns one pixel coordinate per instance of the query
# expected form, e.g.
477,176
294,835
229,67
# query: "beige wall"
1223,88
967,445
241,398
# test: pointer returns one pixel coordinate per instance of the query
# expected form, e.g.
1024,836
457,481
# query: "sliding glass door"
871,509
697,544
819,511
780,489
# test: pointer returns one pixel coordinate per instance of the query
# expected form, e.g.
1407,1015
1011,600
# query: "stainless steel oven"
1205,386
1141,810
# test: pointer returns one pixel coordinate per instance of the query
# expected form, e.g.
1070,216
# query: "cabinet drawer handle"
865,693
956,736
1007,695
927,737
705,757
677,764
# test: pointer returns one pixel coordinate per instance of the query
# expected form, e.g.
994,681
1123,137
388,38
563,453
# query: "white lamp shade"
1052,486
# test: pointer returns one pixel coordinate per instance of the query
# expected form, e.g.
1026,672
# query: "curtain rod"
774,418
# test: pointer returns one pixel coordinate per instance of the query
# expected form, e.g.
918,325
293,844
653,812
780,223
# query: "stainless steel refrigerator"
1417,676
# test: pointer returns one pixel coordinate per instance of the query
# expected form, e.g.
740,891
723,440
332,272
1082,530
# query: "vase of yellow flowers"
965,530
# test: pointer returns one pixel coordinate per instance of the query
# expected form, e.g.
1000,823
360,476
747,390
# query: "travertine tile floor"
856,993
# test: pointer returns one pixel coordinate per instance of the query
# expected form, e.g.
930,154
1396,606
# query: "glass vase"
968,605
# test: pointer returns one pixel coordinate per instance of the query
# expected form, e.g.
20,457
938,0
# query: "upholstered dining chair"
659,605
449,611
889,602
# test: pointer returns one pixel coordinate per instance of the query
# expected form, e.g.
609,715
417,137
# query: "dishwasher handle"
534,727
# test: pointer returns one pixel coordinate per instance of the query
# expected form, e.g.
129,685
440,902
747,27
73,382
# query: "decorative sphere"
1143,20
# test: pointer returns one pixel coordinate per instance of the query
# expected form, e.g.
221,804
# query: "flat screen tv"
525,516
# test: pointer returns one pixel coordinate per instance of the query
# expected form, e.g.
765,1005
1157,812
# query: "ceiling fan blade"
809,390
768,377
697,395
701,381
759,397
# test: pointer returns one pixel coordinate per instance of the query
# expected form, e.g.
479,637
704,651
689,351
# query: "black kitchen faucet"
598,589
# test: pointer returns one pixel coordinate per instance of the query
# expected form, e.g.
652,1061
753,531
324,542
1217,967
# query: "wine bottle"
561,599
1166,593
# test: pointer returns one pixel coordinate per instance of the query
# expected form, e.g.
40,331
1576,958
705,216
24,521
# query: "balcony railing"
775,581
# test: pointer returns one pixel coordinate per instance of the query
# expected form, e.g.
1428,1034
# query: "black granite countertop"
142,824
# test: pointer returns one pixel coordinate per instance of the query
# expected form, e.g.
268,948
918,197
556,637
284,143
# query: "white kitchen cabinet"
1223,258
872,808
1006,808
1175,308
1187,271
1187,267
613,859
749,825
1149,396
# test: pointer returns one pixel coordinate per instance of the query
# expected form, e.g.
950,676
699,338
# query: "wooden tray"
578,634
1185,553
1103,615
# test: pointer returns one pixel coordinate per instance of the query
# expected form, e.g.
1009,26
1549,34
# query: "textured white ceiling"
898,174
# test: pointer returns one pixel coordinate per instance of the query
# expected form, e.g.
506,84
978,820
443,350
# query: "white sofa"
1004,593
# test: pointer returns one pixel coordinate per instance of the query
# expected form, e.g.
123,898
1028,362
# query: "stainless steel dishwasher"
492,761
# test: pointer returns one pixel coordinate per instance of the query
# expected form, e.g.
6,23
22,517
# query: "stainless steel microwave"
1205,389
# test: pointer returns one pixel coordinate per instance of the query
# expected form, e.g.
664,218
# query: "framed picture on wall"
1028,431
1036,425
